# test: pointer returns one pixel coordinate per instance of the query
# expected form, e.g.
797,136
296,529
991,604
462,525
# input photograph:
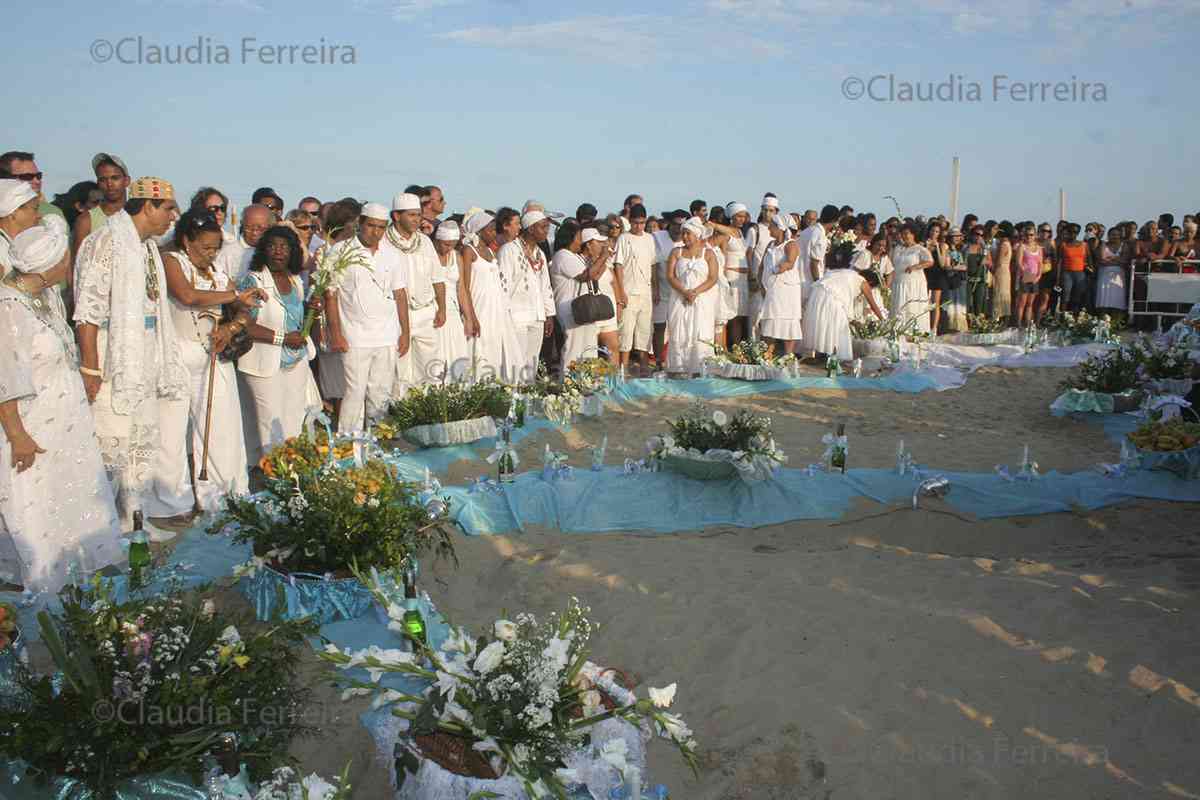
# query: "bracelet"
95,373
278,340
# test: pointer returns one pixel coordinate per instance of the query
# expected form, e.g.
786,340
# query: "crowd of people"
159,348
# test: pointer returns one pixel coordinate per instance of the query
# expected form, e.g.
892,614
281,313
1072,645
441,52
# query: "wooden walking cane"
212,374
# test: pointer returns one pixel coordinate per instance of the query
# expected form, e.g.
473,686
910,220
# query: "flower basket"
454,754
700,469
1184,463
747,372
463,431
870,348
984,339
298,594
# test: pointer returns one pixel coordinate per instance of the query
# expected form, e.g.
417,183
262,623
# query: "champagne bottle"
504,465
139,555
520,405
414,624
838,458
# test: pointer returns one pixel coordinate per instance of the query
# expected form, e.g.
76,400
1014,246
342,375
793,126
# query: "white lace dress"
61,509
690,326
456,349
910,292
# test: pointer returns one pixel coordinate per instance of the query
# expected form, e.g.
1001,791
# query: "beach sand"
891,654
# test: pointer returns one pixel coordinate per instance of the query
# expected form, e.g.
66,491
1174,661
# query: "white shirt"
565,267
814,241
234,259
636,256
531,298
862,261
365,301
419,270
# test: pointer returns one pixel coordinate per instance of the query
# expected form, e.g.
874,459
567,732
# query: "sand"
892,654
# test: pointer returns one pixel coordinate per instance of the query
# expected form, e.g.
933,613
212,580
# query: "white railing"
1171,288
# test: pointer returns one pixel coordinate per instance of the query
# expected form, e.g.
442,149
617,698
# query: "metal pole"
1062,204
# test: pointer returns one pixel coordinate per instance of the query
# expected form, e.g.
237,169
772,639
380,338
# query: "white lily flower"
317,788
614,752
230,635
720,418
592,703
557,651
353,692
662,698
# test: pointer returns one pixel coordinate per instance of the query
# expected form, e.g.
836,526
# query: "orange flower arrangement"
302,454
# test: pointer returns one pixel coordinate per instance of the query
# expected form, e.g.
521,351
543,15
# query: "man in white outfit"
234,258
524,270
406,249
131,363
634,261
367,315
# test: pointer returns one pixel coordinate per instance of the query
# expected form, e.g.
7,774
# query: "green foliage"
452,402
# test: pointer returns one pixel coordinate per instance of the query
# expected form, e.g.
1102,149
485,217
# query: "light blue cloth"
710,388
411,464
158,787
305,595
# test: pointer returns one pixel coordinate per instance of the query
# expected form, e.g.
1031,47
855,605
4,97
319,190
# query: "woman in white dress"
56,503
737,272
783,306
197,292
910,294
456,350
692,274
1112,260
830,307
580,257
496,352
875,265
664,242
275,370
715,241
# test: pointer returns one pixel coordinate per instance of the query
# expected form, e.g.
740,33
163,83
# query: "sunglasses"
216,209
273,207
28,177
305,227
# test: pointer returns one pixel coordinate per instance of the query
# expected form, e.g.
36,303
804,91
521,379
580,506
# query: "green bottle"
505,466
414,624
832,367
520,405
837,459
139,555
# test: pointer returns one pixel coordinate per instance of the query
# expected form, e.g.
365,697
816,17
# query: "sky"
499,101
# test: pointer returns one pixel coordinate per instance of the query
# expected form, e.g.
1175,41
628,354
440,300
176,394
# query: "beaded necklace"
407,249
151,273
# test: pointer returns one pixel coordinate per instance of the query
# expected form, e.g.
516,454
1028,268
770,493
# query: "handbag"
592,306
239,344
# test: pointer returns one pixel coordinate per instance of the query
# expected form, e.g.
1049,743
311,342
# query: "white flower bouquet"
710,445
332,262
522,701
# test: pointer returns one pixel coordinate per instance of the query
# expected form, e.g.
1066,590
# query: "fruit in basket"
1166,437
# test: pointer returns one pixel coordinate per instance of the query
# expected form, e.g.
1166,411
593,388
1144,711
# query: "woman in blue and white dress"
692,274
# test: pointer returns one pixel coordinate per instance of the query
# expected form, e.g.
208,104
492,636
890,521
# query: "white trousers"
424,362
172,490
279,404
580,343
370,374
530,336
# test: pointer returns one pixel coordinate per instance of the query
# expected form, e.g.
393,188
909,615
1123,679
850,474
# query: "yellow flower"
241,661
225,651
360,498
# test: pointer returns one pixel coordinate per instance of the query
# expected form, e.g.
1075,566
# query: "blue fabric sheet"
711,388
411,464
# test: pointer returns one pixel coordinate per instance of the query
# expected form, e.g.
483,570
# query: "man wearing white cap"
131,363
112,176
55,498
367,317
524,271
634,262
406,249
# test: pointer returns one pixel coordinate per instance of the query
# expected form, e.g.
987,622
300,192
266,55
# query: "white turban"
771,203
735,208
406,201
531,218
473,224
448,231
375,211
696,226
37,249
14,194
531,205
782,221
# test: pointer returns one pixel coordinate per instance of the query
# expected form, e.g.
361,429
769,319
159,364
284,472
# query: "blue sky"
501,100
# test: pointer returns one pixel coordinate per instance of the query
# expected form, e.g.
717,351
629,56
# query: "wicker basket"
455,754
700,470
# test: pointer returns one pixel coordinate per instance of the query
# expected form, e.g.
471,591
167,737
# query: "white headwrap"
771,203
14,194
448,231
37,249
531,205
735,208
531,218
592,234
473,224
696,226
